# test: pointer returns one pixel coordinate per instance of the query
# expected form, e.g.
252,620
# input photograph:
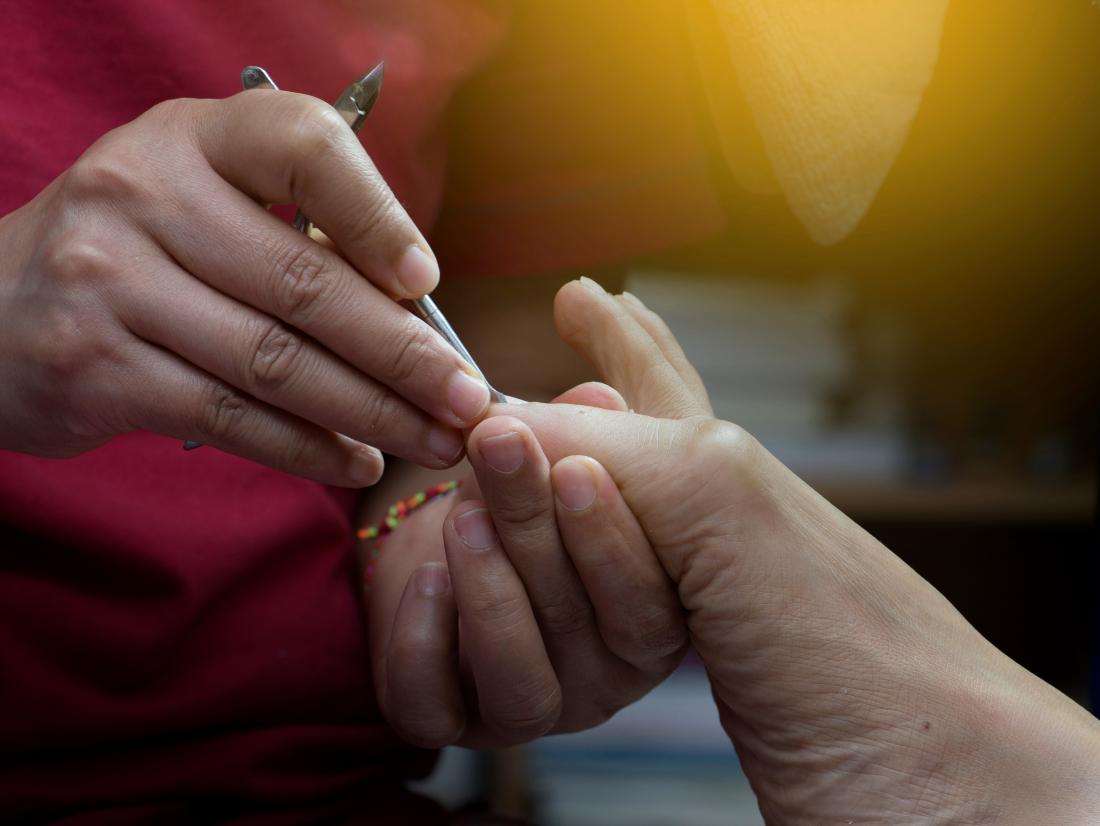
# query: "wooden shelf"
1001,500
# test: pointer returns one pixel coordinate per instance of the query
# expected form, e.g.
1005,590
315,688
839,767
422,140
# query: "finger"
669,346
424,696
178,400
514,477
386,565
276,364
637,609
519,697
245,252
283,147
604,332
658,464
594,394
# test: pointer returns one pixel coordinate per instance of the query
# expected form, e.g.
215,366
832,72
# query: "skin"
148,287
486,631
851,689
573,655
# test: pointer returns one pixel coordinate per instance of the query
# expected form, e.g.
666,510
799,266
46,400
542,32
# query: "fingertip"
445,445
574,480
591,285
416,271
366,464
568,302
467,396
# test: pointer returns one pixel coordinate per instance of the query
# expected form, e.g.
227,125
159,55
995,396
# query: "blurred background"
932,368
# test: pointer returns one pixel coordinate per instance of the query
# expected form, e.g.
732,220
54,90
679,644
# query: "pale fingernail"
445,443
475,529
467,396
503,453
366,466
417,271
592,285
574,485
633,299
431,579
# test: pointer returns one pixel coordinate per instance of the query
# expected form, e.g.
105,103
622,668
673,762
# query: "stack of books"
776,356
664,760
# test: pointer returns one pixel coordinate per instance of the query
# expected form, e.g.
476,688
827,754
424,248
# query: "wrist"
1043,750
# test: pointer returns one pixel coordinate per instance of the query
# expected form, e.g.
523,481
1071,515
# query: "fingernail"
431,579
592,285
476,529
467,396
574,485
503,453
633,299
417,271
445,443
366,466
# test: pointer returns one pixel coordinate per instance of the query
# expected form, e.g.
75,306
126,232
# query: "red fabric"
180,637
179,634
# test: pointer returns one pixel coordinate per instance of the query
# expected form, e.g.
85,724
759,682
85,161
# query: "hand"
147,287
851,689
541,619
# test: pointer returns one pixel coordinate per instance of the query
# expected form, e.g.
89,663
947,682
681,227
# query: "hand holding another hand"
512,613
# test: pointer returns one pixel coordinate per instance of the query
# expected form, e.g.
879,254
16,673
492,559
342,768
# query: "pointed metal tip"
256,77
370,88
373,78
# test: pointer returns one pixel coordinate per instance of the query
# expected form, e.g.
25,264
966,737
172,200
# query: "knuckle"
300,452
72,346
113,170
658,635
317,127
75,261
529,710
525,516
714,440
375,415
501,613
275,356
565,616
64,353
222,412
170,110
303,280
415,350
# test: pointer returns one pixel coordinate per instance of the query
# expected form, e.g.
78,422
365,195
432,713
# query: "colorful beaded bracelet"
398,512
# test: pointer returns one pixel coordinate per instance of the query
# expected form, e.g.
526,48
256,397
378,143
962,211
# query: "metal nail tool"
354,104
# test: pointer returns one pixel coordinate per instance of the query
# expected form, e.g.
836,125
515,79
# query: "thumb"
631,348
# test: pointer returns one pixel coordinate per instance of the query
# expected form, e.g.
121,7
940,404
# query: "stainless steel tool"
354,104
